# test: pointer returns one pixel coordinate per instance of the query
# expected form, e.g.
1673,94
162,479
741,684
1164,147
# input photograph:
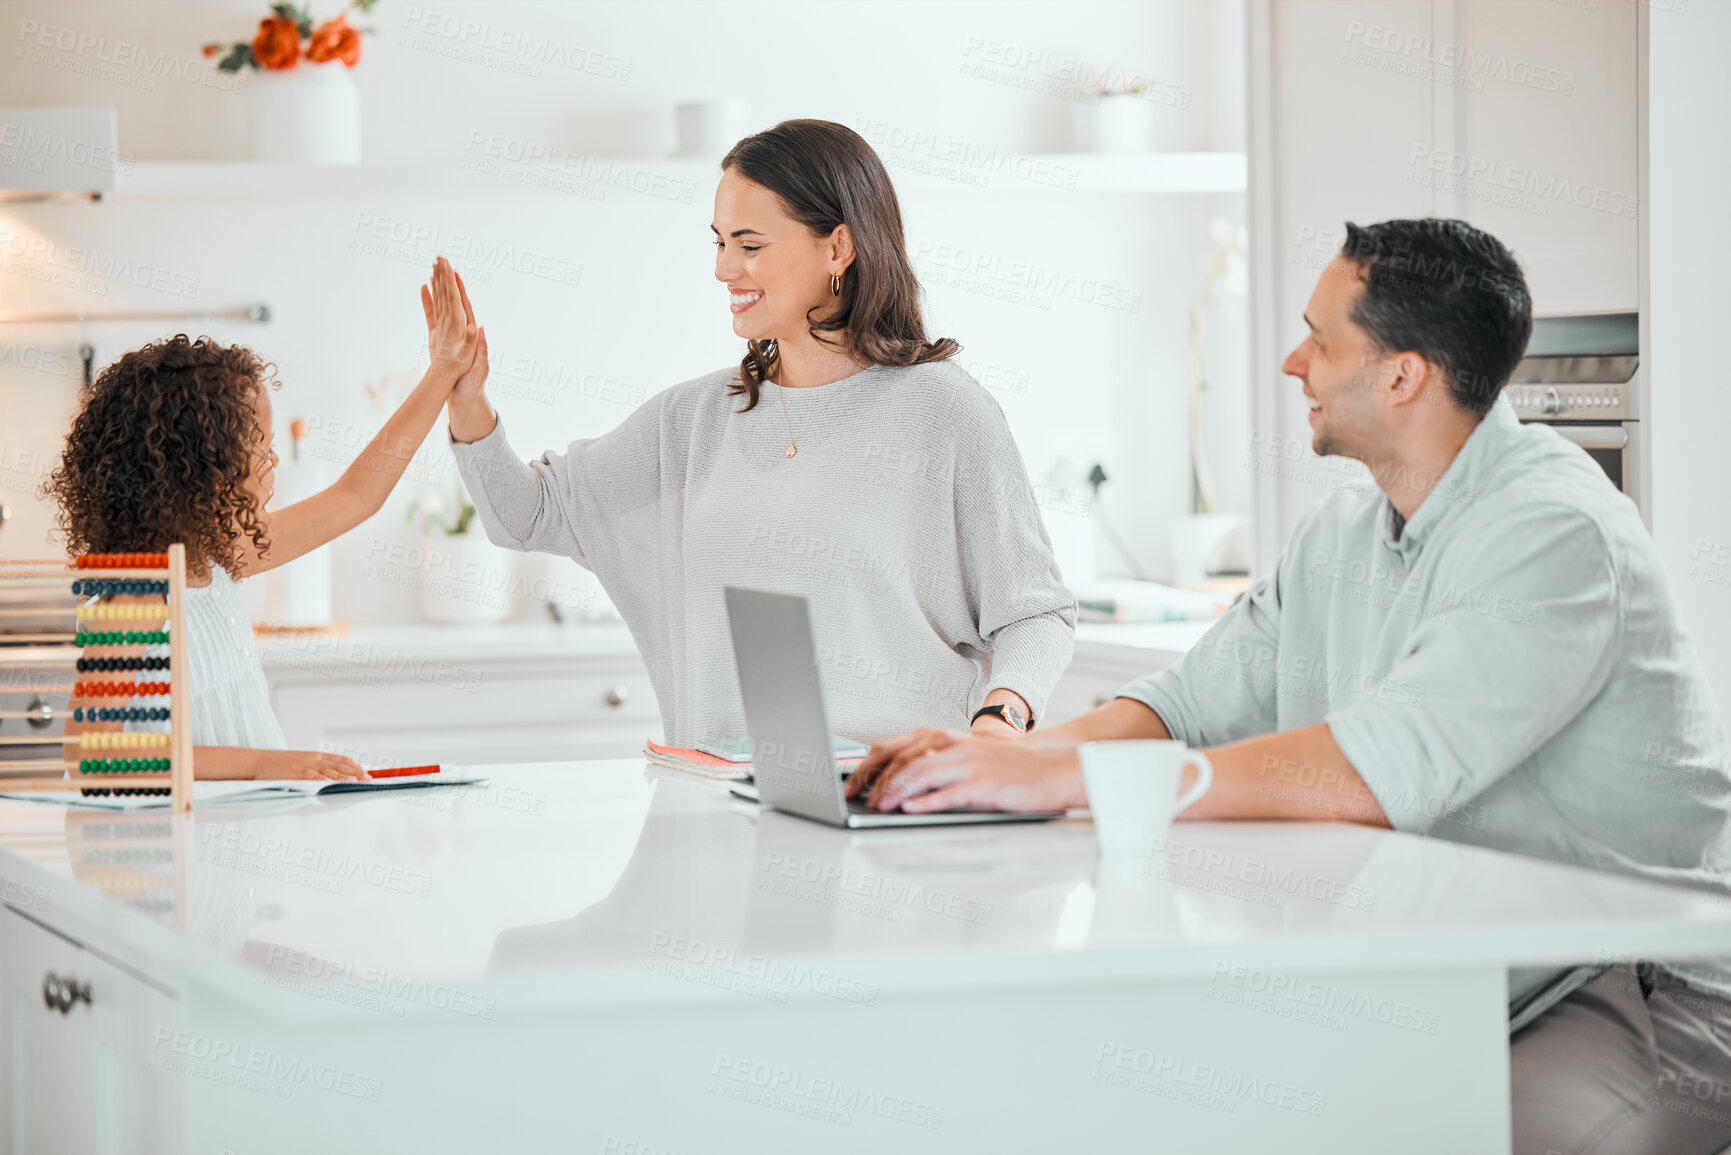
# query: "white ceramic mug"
1133,791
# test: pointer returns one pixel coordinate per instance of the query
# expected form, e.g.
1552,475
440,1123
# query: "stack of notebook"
729,759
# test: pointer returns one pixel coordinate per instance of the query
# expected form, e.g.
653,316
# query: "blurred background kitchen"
1118,209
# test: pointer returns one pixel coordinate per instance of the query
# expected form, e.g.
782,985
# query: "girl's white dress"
230,700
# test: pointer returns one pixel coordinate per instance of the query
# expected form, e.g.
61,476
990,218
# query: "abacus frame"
179,776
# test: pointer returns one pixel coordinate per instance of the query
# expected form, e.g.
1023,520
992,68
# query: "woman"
846,458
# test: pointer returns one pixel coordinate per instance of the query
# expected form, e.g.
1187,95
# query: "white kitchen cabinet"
521,693
80,1079
1545,147
1518,117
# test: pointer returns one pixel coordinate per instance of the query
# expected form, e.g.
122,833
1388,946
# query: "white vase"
466,580
301,589
1118,122
309,114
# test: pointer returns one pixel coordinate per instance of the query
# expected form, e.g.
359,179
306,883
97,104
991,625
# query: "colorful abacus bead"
118,689
122,765
121,561
110,587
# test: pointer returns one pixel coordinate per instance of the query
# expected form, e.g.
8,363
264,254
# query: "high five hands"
456,346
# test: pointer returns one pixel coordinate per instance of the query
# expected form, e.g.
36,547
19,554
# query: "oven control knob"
1553,404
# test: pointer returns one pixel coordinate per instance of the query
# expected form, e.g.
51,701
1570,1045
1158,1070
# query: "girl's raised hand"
452,335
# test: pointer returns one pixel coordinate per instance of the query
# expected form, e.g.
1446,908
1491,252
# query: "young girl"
172,444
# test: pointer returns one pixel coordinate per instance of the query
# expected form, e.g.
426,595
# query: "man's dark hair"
1448,292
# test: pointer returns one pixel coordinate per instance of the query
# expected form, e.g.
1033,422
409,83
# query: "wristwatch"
1008,713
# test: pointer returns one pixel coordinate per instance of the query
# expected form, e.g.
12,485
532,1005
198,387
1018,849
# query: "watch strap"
1004,713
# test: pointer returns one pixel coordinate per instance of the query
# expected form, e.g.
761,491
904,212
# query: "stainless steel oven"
1580,376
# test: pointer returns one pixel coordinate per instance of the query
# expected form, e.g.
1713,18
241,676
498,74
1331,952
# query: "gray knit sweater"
906,519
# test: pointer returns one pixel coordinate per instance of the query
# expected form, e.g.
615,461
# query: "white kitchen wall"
622,301
1690,245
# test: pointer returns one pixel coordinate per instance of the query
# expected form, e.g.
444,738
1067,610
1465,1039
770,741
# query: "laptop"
793,768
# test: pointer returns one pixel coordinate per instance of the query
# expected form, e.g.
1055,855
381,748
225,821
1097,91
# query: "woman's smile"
741,301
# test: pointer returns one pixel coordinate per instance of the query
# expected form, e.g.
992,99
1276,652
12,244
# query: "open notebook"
247,790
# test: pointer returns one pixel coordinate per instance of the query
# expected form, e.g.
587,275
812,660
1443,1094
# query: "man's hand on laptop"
932,769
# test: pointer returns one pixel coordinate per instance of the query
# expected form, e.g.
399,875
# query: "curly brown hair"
161,450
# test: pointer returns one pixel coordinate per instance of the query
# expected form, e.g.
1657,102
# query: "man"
1477,643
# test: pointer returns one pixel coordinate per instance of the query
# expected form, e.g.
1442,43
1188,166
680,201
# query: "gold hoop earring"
835,285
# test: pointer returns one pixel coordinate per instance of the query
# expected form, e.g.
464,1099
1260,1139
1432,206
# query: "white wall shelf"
1179,172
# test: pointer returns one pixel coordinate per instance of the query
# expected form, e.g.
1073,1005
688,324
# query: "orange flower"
278,43
212,49
335,40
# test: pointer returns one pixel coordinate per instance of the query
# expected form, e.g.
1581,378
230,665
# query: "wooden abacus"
154,761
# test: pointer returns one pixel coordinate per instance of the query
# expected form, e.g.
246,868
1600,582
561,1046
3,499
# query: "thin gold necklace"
792,444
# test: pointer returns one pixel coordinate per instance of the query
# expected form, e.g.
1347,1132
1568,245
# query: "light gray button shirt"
1507,669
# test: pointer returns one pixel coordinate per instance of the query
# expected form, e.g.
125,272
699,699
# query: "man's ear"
1413,378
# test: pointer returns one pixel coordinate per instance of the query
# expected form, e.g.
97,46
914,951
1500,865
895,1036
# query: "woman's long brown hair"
825,175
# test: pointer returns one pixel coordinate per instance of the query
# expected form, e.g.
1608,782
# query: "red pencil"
403,771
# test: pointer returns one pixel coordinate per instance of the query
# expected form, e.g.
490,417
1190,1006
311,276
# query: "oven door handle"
1595,436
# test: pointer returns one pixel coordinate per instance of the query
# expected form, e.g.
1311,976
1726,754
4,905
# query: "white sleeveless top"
230,700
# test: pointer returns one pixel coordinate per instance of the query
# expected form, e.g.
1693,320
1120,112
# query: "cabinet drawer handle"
62,995
618,695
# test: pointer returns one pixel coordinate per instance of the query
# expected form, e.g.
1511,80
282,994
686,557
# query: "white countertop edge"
138,943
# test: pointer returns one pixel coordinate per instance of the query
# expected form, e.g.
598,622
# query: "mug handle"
1204,779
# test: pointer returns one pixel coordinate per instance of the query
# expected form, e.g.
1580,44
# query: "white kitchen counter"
1155,644
555,870
400,647
593,949
403,648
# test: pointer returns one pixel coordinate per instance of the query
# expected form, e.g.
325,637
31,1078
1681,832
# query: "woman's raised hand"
469,385
453,339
